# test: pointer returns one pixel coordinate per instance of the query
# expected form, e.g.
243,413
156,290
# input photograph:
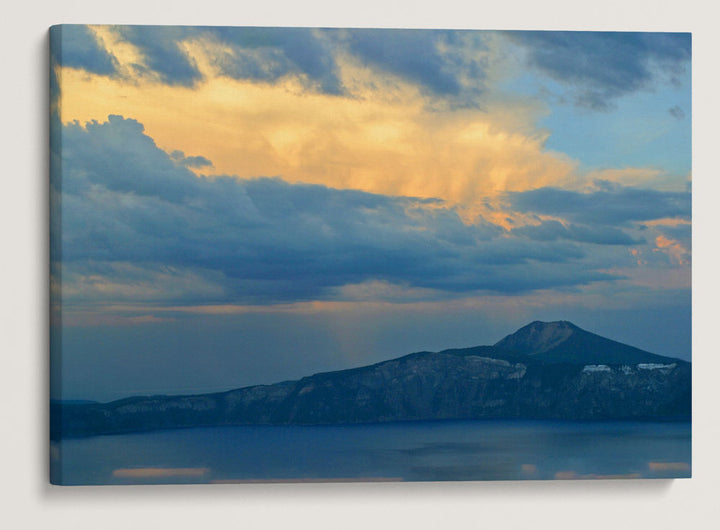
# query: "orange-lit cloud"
673,248
386,137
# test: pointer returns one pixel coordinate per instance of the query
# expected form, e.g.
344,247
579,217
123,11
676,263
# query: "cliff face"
481,382
444,386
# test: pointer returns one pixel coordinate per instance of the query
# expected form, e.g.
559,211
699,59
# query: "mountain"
564,342
549,370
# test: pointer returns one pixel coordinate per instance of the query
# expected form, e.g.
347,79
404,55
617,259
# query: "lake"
407,451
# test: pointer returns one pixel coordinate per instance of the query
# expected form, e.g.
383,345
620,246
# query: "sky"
238,206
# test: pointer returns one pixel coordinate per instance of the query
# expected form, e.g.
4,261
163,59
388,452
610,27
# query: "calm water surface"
431,451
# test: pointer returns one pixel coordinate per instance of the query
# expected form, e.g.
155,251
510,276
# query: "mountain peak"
539,337
564,342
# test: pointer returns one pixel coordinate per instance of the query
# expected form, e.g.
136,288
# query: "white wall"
27,500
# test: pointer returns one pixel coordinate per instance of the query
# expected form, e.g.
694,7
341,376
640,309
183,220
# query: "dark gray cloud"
190,161
76,46
163,55
598,67
444,63
137,224
601,66
553,230
422,56
676,112
263,54
268,54
609,205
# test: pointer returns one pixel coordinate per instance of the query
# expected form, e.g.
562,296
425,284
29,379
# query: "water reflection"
156,472
415,451
669,466
572,475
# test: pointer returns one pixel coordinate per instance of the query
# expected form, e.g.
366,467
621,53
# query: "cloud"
673,249
195,162
160,46
602,66
132,218
444,63
77,46
268,54
97,281
260,54
678,232
675,241
676,112
552,230
597,66
410,54
386,142
610,204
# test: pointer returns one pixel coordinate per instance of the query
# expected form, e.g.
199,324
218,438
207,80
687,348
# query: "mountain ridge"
566,376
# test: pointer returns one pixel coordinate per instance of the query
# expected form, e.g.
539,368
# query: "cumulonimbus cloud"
125,201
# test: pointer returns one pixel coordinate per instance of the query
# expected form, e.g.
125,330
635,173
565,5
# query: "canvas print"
327,254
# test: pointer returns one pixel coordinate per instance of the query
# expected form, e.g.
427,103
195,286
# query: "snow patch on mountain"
655,366
588,368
